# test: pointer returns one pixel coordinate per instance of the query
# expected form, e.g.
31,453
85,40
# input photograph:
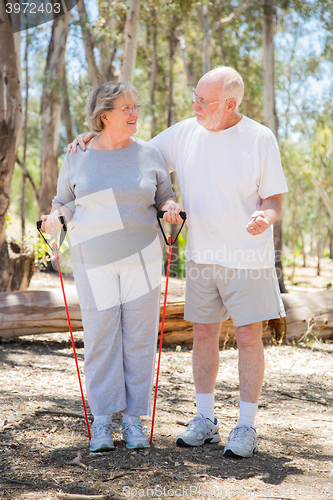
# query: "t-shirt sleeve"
65,194
272,180
164,187
164,142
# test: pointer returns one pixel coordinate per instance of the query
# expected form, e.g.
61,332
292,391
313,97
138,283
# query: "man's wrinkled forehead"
209,86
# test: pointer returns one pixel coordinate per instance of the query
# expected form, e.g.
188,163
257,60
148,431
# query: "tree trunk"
303,249
89,44
207,31
204,19
25,144
153,76
331,244
10,113
130,41
319,241
174,227
50,111
16,268
66,112
270,117
191,79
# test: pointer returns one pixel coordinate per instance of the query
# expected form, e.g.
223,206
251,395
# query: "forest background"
178,41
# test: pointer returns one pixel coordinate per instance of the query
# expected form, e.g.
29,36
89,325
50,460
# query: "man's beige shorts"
214,292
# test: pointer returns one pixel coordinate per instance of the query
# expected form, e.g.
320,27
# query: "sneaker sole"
102,448
138,446
211,440
230,454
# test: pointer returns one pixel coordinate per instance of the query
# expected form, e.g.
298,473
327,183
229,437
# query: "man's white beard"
211,122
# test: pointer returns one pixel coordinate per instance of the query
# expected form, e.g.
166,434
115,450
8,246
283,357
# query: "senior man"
231,181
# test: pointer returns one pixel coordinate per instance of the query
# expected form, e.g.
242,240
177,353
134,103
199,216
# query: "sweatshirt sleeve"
164,187
65,193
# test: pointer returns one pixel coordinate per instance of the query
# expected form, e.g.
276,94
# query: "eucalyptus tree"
130,41
208,29
50,111
10,129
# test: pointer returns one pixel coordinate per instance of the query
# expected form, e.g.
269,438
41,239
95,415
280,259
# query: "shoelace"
202,420
107,428
238,433
137,428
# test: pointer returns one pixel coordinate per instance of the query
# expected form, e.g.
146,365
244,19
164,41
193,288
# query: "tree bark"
130,41
89,44
16,268
66,112
10,113
153,76
174,180
191,78
204,19
25,143
319,239
50,111
303,249
270,117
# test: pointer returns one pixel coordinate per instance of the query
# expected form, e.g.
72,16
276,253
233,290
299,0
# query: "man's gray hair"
101,100
233,85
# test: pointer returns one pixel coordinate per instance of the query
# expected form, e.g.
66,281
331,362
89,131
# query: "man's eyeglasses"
129,109
202,103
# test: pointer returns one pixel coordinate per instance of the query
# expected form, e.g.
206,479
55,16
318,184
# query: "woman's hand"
51,223
172,212
81,139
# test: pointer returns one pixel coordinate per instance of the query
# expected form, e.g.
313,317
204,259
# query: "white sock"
247,413
205,405
100,417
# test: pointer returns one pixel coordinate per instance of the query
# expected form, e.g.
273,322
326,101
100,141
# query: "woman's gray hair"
101,100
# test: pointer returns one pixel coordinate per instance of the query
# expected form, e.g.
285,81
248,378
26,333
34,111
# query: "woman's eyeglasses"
129,109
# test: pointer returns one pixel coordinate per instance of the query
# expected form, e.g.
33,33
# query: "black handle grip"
160,214
63,221
40,222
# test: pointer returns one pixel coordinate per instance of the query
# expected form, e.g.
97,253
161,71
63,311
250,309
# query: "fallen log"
36,312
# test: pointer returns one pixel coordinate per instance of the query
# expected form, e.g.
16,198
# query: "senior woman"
111,192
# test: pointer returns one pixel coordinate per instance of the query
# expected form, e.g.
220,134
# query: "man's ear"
232,105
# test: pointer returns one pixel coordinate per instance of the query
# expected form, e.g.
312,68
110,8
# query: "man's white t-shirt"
223,177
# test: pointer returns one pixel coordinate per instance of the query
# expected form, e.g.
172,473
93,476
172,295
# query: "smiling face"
120,122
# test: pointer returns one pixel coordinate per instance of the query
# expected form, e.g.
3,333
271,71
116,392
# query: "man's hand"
172,212
81,139
269,213
259,223
51,223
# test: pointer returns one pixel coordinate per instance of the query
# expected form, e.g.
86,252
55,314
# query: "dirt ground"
44,443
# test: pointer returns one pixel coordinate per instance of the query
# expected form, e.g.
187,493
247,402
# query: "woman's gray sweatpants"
119,340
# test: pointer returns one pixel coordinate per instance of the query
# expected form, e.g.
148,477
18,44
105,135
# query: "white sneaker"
200,430
242,442
132,433
101,435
